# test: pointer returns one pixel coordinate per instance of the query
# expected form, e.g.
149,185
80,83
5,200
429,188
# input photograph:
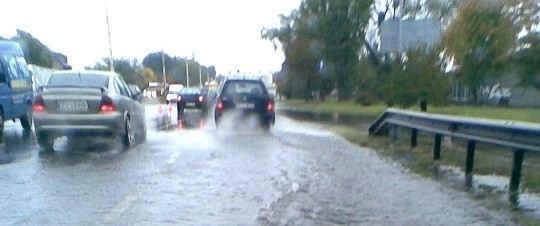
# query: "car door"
133,106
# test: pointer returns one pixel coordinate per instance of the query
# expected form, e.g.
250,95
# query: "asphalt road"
296,174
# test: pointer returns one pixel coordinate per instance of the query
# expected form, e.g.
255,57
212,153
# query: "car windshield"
78,80
270,112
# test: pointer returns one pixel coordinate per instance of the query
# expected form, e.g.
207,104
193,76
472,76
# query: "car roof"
86,72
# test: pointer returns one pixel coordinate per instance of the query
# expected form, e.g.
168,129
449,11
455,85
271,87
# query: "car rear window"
78,79
190,91
244,87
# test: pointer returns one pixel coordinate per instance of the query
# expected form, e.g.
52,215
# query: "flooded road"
194,174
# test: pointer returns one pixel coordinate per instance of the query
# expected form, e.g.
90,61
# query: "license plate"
247,105
72,105
190,104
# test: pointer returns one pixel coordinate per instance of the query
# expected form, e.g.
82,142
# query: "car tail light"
179,98
219,105
270,106
39,104
201,98
107,104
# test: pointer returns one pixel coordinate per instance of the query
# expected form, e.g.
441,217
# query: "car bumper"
266,117
104,125
191,105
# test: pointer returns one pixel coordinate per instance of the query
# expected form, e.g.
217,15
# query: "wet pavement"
195,174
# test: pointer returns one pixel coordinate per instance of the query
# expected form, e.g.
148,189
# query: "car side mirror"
135,92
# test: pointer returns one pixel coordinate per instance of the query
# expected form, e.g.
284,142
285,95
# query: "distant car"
88,104
172,92
171,96
210,96
191,98
243,98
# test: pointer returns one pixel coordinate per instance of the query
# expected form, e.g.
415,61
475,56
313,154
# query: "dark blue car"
191,98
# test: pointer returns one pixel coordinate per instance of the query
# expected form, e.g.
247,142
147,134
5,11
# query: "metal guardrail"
519,137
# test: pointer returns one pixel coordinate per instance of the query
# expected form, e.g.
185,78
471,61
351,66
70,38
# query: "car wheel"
180,113
142,136
1,126
267,126
216,120
45,142
127,137
26,121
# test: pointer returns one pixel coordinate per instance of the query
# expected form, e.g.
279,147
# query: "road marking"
173,158
120,208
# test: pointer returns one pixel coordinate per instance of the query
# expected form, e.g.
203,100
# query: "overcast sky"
221,33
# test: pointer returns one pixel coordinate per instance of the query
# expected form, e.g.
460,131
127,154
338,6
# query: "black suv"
243,98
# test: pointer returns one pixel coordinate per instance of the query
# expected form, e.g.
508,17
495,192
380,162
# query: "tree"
146,76
127,68
212,72
524,13
528,61
155,62
480,40
341,31
416,77
329,31
35,52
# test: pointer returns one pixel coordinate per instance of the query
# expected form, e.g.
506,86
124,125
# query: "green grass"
514,114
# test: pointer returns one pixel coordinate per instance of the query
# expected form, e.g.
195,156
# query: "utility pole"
200,76
111,61
187,72
163,69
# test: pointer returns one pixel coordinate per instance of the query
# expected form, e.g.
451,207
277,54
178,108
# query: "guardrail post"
414,138
395,132
516,175
437,149
470,161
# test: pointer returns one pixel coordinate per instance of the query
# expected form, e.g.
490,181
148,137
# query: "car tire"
180,113
45,142
267,126
142,136
26,121
128,136
1,126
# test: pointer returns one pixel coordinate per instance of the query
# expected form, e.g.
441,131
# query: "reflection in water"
16,144
169,120
486,185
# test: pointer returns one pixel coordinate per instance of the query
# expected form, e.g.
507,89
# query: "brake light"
39,103
201,98
107,104
219,105
179,98
270,106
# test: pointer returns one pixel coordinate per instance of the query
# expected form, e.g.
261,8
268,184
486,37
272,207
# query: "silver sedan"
88,104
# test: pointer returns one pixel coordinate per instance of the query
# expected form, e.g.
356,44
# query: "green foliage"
155,62
480,40
328,31
418,77
528,61
35,52
146,75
